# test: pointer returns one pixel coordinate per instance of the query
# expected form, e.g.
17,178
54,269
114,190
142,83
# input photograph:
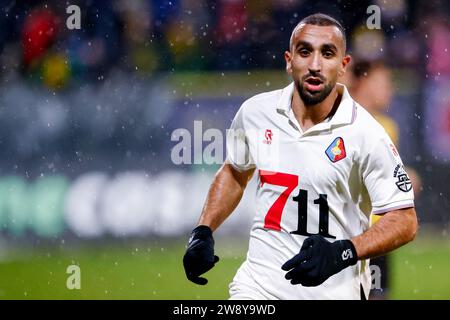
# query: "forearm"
390,232
224,195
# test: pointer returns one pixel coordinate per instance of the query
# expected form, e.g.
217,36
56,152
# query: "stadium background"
86,132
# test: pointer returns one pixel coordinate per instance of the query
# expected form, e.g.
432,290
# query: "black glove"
199,256
318,260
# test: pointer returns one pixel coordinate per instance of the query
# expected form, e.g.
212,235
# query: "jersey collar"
345,113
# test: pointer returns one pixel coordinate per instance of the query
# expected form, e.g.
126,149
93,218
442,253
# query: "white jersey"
327,180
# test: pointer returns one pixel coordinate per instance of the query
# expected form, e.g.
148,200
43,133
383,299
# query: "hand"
318,260
199,257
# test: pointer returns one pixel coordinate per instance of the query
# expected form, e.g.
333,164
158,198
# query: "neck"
310,115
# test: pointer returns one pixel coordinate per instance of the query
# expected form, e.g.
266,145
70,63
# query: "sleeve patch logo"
336,150
403,182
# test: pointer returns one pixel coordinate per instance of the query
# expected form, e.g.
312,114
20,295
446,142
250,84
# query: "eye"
303,52
328,54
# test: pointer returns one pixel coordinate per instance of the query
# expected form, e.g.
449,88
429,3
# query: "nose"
315,64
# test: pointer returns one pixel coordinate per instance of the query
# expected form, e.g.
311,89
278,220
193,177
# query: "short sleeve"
385,178
237,144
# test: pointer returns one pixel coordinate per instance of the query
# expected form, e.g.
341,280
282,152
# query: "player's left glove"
318,260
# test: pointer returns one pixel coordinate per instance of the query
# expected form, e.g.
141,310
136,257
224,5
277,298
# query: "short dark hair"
321,19
361,68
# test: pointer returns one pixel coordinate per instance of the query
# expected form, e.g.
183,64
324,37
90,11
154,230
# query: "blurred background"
87,122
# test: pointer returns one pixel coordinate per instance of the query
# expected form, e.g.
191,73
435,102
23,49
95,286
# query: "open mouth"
314,84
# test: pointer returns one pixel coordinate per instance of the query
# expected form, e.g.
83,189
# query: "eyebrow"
303,44
329,46
325,46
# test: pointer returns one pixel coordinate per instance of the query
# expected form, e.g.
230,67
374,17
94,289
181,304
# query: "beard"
313,98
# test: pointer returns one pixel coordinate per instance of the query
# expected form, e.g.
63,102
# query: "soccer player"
324,166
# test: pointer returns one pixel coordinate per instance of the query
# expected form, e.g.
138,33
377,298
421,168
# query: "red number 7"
290,181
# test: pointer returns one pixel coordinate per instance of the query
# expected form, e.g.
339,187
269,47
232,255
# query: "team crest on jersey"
403,182
336,150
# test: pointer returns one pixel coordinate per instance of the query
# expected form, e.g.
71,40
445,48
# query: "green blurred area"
154,271
131,271
421,269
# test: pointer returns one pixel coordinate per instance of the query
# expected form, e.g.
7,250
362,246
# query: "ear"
345,62
288,58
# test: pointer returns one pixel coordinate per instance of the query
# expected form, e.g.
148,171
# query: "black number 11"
302,199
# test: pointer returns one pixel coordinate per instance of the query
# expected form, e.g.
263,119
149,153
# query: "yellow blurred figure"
55,71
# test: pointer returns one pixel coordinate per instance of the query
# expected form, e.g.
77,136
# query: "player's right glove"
199,257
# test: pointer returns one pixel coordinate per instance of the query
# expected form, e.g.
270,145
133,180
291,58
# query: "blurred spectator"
265,46
371,86
55,71
438,42
185,33
141,46
231,33
38,33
